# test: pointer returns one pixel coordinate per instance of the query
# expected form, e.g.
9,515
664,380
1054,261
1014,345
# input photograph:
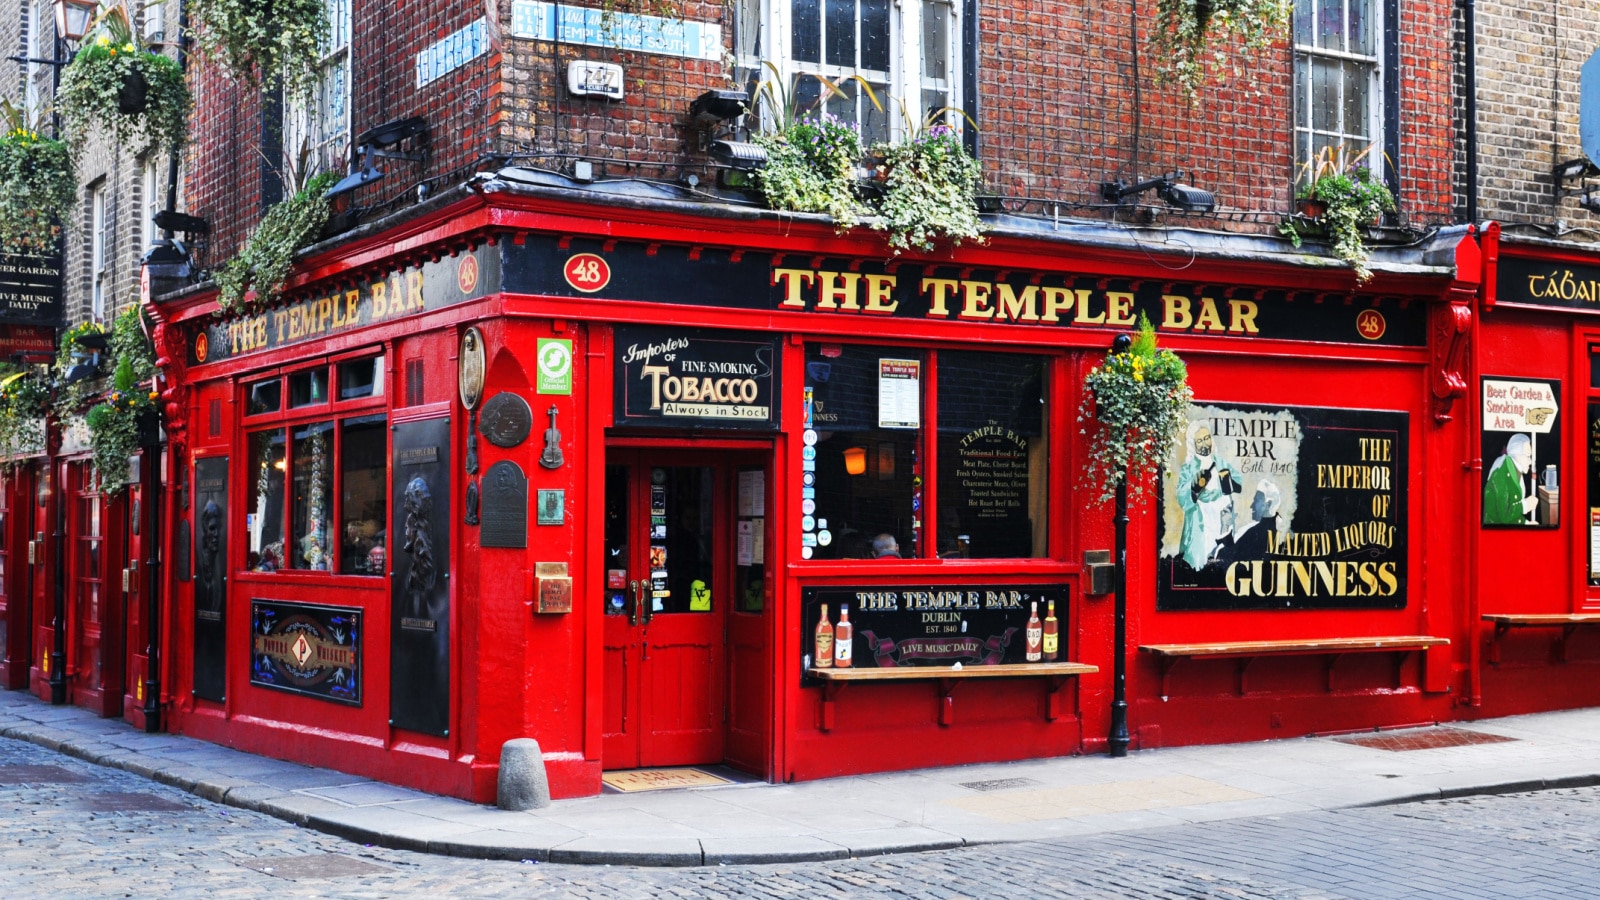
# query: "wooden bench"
1567,622
1056,674
1248,651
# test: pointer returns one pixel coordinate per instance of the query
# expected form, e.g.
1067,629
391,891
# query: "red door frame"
95,621
16,503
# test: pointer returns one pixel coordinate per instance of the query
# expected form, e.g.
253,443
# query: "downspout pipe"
1469,24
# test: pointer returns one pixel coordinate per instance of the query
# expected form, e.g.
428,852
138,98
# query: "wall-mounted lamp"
1574,169
855,460
738,154
74,17
375,144
714,107
1168,187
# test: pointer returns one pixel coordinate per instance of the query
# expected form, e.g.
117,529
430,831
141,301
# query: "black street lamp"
1118,741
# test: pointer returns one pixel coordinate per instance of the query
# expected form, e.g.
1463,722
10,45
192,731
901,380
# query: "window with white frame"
36,50
319,124
150,184
99,252
1338,81
906,50
154,18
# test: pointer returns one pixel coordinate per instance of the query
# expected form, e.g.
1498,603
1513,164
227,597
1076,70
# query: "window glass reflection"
264,512
313,496
363,455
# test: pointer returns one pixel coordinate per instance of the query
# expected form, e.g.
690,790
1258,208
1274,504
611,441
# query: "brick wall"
1529,54
1057,87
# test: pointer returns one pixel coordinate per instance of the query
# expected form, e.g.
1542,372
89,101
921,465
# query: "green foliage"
263,264
70,398
930,190
1139,401
38,185
24,402
1210,39
263,42
90,85
811,167
116,422
1355,199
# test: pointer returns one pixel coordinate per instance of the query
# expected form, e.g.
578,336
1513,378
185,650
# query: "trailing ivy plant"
930,190
1137,401
24,402
263,42
1194,38
254,278
140,96
811,167
127,413
1354,199
70,398
38,184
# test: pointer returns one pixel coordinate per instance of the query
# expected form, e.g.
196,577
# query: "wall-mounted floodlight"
713,107
1168,187
1573,169
374,143
738,154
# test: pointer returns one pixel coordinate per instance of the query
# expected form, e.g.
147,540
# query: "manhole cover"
317,865
39,775
998,784
1426,739
110,803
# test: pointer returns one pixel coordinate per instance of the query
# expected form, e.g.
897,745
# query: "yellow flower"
127,48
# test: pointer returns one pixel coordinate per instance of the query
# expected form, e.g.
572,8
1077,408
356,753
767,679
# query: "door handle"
633,614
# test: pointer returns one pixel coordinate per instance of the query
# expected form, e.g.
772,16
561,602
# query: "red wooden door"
14,619
94,595
668,568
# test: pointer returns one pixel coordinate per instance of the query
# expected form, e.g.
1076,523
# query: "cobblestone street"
72,829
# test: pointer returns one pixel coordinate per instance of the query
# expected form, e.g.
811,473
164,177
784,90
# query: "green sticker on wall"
555,366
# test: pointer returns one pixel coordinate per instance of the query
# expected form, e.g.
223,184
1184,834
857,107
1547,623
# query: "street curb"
320,814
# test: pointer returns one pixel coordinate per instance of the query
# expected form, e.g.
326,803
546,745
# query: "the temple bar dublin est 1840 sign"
677,377
897,626
1285,508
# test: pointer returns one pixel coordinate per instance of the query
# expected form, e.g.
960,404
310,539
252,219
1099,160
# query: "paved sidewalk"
853,817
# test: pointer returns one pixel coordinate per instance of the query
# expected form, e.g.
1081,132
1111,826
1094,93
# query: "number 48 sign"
587,272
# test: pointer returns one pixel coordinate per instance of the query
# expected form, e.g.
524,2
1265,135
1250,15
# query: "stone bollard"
523,783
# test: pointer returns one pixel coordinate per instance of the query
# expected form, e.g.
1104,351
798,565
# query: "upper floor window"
36,48
907,52
1338,80
320,123
99,252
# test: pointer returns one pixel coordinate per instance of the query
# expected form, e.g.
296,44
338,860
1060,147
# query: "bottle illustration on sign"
1052,633
842,634
824,650
1035,633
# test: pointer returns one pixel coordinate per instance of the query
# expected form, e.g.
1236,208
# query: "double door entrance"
684,599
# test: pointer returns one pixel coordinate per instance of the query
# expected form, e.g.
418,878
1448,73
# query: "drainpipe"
1470,63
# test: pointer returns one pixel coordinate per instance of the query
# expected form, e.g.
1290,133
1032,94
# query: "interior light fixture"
855,460
1168,187
73,18
713,107
738,154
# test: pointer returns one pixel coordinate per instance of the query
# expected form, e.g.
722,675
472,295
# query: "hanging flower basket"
126,417
264,43
931,191
1136,404
38,185
140,96
1194,38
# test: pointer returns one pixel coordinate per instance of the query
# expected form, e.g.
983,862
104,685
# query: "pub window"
865,488
318,492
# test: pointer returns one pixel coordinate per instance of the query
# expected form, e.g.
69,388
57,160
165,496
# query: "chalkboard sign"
923,625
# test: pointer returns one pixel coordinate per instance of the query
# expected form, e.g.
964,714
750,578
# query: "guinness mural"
681,377
1285,508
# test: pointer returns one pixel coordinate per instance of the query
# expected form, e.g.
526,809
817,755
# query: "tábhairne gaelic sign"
404,292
